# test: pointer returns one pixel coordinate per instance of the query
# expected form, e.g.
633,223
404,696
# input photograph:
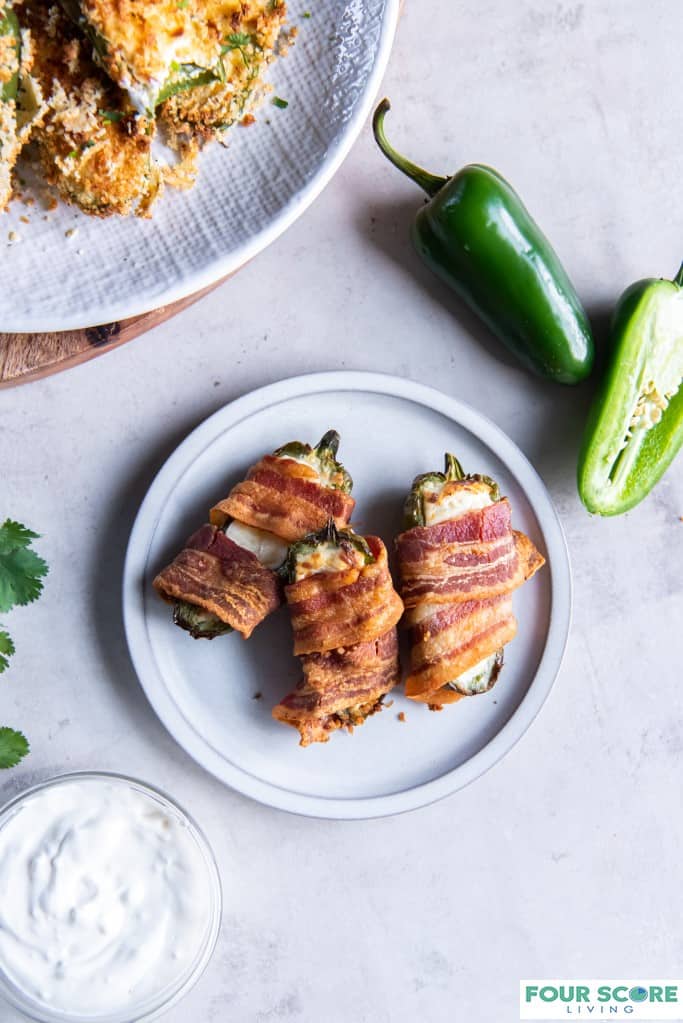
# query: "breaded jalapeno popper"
248,44
10,59
160,49
94,82
20,100
459,561
91,143
344,611
227,576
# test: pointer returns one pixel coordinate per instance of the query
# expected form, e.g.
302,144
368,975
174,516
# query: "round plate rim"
147,302
555,644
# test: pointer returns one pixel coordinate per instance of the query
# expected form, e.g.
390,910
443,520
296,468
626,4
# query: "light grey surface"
565,859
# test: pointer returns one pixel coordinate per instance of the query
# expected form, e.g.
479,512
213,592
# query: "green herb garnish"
21,570
238,41
111,115
13,747
21,582
6,649
280,103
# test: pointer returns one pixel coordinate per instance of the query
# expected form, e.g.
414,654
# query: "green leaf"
13,536
237,39
13,747
21,571
280,103
6,649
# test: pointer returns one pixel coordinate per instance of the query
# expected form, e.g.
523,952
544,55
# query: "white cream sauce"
104,897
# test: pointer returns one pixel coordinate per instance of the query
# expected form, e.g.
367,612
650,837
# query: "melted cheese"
476,679
446,501
327,558
324,476
268,548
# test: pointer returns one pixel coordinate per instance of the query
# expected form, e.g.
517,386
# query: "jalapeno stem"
328,443
431,183
678,279
453,470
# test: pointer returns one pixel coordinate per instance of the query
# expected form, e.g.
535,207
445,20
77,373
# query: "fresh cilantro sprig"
21,570
13,747
6,649
21,582
239,41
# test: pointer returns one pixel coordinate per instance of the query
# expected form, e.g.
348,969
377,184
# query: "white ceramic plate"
391,429
246,195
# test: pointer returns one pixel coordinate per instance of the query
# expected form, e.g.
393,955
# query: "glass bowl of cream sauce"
110,901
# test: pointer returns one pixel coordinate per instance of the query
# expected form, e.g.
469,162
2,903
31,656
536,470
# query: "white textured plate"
246,195
391,429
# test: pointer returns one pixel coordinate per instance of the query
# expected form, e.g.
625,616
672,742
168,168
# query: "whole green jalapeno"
478,236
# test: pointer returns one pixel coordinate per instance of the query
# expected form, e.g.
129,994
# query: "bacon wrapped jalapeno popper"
344,612
226,577
459,560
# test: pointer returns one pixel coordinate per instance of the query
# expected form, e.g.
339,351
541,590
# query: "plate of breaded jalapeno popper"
237,112
404,621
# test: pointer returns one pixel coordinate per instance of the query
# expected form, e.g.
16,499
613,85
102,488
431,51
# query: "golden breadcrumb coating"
91,144
10,57
206,111
154,48
93,79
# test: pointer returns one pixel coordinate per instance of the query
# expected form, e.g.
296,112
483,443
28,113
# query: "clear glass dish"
161,1001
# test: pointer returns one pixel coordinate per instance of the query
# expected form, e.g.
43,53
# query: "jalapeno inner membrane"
654,377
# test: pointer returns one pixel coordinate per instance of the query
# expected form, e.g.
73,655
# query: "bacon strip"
339,609
452,638
341,688
285,498
457,580
216,574
345,631
469,558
